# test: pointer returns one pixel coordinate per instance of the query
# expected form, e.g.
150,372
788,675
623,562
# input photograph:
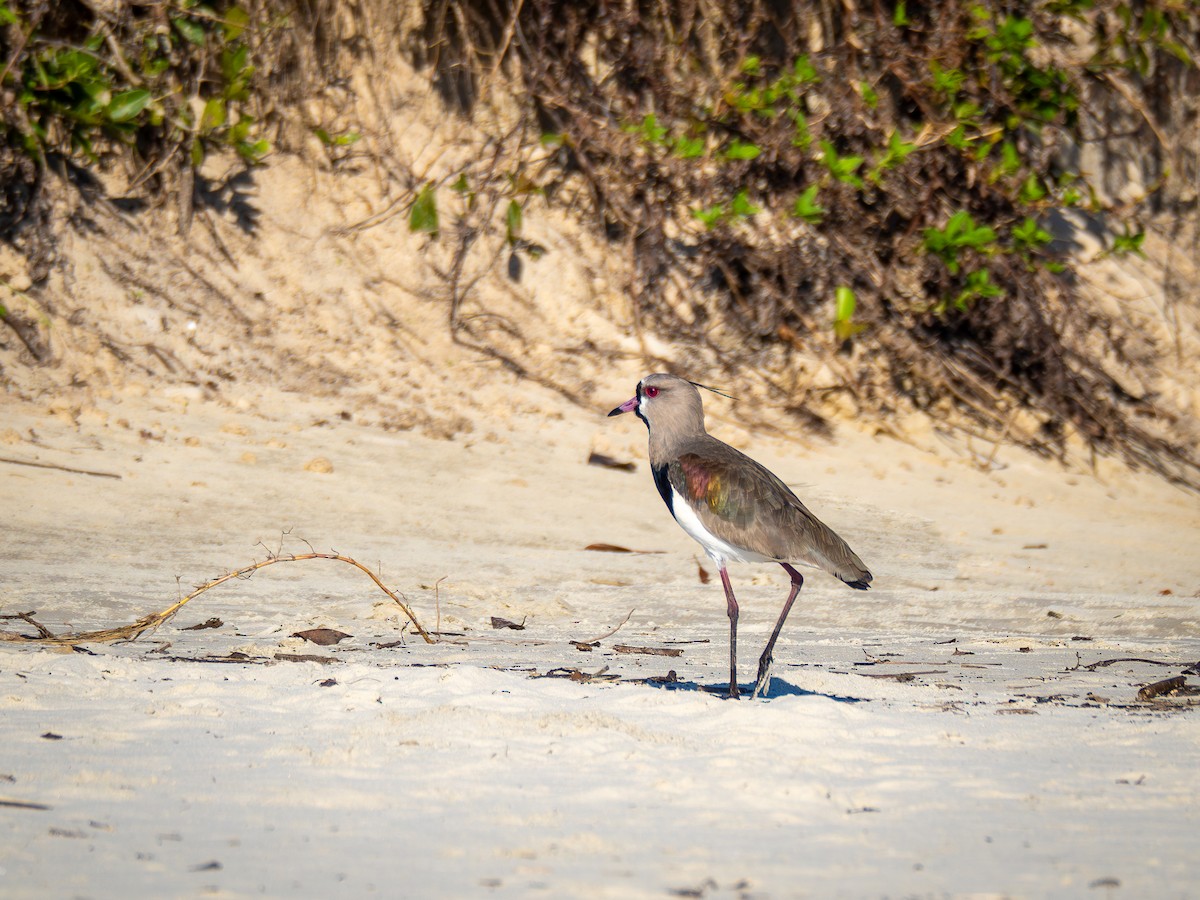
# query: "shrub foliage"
886,185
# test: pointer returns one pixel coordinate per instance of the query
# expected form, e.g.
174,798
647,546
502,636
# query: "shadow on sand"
777,688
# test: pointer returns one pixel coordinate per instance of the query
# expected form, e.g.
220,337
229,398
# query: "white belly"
721,552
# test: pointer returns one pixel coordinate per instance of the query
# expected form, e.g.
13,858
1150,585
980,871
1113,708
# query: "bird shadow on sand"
777,688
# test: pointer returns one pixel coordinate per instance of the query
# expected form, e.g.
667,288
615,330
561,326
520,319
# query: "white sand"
1002,769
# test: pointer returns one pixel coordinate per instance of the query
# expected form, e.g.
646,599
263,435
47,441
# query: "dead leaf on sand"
322,636
208,623
616,548
607,462
498,622
670,678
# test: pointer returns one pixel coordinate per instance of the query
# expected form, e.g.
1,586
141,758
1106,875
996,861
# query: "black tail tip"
862,584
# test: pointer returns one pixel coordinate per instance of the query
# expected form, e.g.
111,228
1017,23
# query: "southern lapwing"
735,508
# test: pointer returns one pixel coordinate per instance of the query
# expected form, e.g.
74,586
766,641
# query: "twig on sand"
23,804
901,676
649,651
573,674
28,617
1091,667
42,465
146,623
608,633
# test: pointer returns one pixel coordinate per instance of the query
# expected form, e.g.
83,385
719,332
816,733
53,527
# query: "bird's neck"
668,444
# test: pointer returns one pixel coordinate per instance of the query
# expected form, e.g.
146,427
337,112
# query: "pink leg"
764,662
732,608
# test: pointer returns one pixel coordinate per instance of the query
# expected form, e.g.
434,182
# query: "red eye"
651,392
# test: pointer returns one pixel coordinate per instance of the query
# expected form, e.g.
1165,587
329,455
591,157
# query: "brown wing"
746,505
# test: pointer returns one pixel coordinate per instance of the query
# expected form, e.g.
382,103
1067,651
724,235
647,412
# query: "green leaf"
958,139
978,286
155,66
1180,52
710,216
807,208
1129,242
513,219
1030,234
424,214
192,32
803,70
741,150
742,207
960,233
802,137
688,148
1010,161
947,82
241,130
898,150
233,61
254,151
1032,189
7,16
127,105
649,130
843,168
214,115
462,187
344,139
236,20
845,302
751,65
900,15
869,94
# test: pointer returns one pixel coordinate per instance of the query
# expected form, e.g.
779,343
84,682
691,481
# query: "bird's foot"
733,690
764,677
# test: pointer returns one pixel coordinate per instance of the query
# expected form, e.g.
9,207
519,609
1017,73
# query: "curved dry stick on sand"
610,632
146,623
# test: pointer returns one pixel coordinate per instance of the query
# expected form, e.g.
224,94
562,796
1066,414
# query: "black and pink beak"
628,406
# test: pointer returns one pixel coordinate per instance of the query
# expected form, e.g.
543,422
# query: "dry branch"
1158,688
153,620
